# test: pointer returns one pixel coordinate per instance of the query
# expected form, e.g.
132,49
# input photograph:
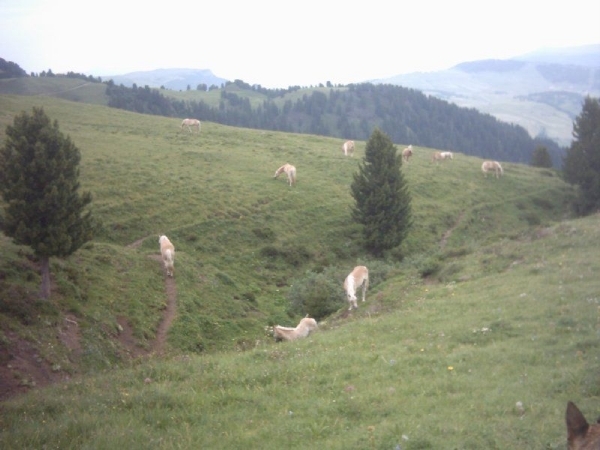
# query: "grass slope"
443,367
495,301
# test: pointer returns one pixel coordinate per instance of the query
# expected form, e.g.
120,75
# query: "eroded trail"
446,235
168,314
170,311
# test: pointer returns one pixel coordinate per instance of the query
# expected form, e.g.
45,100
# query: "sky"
278,43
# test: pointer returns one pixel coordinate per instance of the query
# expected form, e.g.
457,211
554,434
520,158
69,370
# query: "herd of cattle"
580,434
358,278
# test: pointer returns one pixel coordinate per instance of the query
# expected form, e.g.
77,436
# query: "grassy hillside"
495,301
72,89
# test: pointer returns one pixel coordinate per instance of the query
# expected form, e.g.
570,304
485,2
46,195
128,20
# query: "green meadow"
496,300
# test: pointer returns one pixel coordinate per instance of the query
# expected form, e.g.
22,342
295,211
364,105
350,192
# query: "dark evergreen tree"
383,203
541,157
39,182
581,165
9,69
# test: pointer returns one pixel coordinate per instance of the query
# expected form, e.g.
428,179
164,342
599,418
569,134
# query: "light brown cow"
437,156
348,148
358,277
189,123
407,153
492,166
167,250
304,328
289,170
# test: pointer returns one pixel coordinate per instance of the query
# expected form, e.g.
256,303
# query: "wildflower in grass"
450,368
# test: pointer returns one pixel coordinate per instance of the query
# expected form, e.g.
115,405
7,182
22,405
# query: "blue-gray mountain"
541,91
175,79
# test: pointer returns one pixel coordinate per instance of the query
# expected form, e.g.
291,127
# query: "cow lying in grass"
303,329
168,254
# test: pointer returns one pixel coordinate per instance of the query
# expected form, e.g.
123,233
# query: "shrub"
316,294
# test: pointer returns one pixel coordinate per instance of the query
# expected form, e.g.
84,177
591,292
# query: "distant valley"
541,91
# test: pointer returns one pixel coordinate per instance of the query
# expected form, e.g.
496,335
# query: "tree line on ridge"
407,116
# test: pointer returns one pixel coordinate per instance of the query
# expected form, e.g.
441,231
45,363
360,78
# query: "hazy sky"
281,44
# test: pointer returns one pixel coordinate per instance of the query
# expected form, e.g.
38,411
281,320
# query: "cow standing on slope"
167,251
358,277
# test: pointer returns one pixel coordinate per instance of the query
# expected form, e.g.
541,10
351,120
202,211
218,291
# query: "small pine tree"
581,164
39,182
541,157
383,203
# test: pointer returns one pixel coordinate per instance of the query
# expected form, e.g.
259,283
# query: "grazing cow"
407,153
168,254
303,329
189,123
348,148
492,166
440,156
437,156
358,277
580,434
289,170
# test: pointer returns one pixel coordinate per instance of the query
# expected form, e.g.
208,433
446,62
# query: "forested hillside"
406,115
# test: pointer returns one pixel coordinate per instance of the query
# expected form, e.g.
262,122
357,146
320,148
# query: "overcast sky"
281,44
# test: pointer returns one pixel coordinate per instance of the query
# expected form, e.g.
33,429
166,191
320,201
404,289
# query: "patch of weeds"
429,266
269,251
18,302
249,296
296,255
225,279
456,252
265,233
531,218
449,270
543,203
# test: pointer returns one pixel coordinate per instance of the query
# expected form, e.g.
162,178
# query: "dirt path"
170,311
446,235
23,368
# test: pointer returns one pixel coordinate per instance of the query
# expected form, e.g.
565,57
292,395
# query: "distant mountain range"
542,91
174,79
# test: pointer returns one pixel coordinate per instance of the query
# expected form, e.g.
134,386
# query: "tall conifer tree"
383,203
39,182
581,165
541,157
